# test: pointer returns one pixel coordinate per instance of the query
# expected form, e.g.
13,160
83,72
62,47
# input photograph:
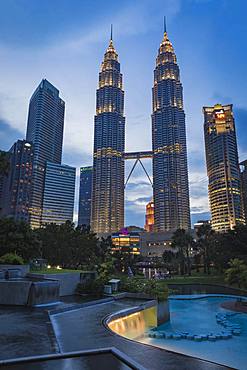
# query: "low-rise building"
154,244
125,241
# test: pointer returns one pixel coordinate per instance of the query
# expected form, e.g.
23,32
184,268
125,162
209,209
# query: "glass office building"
85,194
109,141
45,131
59,193
16,186
222,167
243,175
170,170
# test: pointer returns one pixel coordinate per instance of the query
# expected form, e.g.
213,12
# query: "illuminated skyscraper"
59,193
222,167
45,131
109,140
149,218
243,175
170,170
85,196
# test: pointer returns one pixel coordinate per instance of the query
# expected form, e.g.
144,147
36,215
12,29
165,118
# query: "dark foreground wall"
14,292
28,293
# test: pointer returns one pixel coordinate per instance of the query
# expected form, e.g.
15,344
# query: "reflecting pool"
200,327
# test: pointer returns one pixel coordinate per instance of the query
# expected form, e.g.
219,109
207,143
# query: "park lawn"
204,279
52,271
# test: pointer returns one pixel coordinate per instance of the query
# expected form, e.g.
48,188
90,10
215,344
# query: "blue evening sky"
64,41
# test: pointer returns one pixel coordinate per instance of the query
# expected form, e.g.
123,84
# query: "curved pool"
200,327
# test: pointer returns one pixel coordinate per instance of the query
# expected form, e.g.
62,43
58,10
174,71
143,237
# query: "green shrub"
150,287
236,274
11,259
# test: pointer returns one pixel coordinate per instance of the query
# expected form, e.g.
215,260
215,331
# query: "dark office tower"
84,214
4,157
59,194
16,186
45,130
109,132
222,167
243,177
170,170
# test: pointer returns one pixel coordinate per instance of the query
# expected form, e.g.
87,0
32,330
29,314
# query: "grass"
197,279
52,270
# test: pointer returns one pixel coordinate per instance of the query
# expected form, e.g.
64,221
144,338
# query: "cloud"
200,216
70,58
8,135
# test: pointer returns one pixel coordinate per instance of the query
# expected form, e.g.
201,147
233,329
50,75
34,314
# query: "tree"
17,237
69,246
171,260
236,273
205,242
182,240
229,245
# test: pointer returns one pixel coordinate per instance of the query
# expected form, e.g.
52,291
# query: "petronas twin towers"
170,171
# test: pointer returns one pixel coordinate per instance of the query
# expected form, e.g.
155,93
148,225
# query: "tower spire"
165,24
111,32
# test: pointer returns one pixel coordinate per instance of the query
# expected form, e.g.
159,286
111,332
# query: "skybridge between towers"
138,156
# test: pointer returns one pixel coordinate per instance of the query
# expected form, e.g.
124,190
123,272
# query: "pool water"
197,315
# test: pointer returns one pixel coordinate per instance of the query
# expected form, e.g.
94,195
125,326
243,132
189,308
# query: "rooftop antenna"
111,32
165,24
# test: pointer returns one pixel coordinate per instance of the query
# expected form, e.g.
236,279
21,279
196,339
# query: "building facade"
85,194
170,170
243,177
126,242
222,167
17,185
154,244
45,131
149,217
59,193
109,141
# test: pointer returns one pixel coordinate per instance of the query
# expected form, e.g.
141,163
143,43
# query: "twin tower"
169,152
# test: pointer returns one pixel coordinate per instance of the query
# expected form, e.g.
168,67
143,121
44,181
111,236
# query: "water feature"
203,289
133,325
200,327
23,291
43,292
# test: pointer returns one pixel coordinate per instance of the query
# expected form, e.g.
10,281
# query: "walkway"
83,329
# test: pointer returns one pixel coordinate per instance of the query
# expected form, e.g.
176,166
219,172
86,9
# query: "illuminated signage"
220,114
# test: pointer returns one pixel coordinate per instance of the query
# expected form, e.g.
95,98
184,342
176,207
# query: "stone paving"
83,329
25,332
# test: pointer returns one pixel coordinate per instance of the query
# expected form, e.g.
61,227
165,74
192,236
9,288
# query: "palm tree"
182,240
205,239
236,273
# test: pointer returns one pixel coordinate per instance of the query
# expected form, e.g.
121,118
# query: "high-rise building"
59,193
243,176
16,185
149,218
4,158
170,170
84,214
109,141
222,167
45,131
